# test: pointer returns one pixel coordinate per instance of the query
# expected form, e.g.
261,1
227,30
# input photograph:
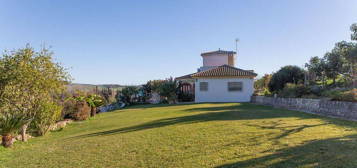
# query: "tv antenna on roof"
237,40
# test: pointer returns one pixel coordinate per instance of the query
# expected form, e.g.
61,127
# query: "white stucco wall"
215,60
218,90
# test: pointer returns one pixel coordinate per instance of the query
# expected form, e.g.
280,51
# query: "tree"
261,85
94,101
108,95
168,89
263,82
316,67
334,64
353,28
27,77
287,74
128,93
349,51
352,55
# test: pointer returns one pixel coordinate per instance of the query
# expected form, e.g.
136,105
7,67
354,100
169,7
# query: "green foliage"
168,89
150,87
354,31
108,94
267,92
349,51
10,123
341,95
76,107
334,65
69,108
292,90
26,78
48,113
287,74
94,100
341,61
261,85
128,93
155,85
316,66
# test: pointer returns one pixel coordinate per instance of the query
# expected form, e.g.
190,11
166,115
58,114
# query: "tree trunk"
6,140
23,132
93,111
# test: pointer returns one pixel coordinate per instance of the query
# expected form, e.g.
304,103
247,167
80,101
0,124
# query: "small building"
218,80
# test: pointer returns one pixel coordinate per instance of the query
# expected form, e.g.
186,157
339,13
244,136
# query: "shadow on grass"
225,113
286,130
148,106
334,152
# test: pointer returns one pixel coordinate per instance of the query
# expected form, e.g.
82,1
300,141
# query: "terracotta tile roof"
221,71
218,52
189,76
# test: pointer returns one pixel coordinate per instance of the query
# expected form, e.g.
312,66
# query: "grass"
194,135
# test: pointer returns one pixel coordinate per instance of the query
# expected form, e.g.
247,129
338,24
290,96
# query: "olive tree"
27,78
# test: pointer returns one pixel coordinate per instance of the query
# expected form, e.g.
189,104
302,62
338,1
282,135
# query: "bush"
82,111
69,108
341,95
267,92
316,90
77,110
294,91
47,115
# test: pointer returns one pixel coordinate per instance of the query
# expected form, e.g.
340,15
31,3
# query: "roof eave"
250,77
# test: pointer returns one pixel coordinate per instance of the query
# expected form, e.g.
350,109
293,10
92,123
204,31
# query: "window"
235,86
203,86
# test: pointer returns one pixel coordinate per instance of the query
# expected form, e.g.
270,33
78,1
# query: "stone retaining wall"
340,109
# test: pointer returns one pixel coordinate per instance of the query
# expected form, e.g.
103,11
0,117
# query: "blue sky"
130,42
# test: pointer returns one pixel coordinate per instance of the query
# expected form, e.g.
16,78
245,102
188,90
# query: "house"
218,80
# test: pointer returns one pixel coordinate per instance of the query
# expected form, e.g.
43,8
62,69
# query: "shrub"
294,91
76,109
10,123
69,108
82,111
316,90
341,95
47,114
267,92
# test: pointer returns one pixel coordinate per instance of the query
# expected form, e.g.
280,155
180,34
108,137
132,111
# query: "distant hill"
92,87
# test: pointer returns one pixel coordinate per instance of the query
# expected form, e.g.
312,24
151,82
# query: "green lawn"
195,135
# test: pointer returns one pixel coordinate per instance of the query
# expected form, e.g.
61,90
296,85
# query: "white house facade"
218,90
218,80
